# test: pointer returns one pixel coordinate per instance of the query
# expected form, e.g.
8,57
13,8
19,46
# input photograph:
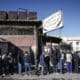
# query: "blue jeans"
19,68
69,67
42,70
27,68
61,65
54,68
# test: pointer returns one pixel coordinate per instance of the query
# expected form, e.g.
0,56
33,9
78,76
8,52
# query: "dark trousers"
76,65
11,69
0,68
4,68
47,60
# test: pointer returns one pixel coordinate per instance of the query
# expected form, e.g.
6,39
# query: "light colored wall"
73,40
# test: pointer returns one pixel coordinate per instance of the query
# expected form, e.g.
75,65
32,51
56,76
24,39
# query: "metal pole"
36,37
23,10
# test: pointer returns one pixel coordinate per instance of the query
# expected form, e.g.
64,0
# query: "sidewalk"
53,76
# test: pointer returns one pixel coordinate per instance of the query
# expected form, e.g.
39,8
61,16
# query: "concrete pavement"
54,76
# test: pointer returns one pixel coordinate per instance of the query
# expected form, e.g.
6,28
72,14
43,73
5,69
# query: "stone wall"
18,15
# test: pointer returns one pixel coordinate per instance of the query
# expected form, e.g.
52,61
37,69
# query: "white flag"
53,22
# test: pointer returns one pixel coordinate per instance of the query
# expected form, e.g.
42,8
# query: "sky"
44,8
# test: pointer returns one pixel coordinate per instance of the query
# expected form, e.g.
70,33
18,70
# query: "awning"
21,22
51,39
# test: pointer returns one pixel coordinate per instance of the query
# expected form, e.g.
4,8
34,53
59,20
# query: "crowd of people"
59,60
16,62
51,60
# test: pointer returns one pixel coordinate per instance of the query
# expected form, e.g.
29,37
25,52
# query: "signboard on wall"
53,22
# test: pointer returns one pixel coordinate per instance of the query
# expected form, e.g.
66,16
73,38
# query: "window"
16,31
77,43
70,43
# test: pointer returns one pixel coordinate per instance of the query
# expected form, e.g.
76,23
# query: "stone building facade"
19,29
